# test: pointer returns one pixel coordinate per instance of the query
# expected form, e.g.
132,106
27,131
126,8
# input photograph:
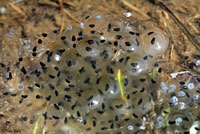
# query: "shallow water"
102,76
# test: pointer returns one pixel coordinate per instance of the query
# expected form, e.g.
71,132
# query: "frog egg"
132,65
120,107
70,38
88,48
71,65
94,23
155,42
95,102
117,27
129,44
106,53
142,103
85,79
108,86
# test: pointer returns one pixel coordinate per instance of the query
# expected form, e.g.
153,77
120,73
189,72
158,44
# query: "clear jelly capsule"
132,64
94,23
155,42
70,38
88,48
129,44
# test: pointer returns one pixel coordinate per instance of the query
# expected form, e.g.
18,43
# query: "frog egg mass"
94,78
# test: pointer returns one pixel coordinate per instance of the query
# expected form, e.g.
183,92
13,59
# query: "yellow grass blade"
36,127
121,87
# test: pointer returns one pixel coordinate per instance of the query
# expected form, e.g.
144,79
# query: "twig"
49,3
192,38
62,11
65,11
70,3
17,9
72,17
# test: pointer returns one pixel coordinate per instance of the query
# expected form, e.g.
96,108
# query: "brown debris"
29,17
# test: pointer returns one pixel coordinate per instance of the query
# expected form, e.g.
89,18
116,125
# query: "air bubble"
174,99
3,10
197,63
69,27
172,87
95,102
144,107
179,120
159,119
128,28
10,34
128,14
181,105
130,128
181,93
159,125
195,96
164,87
12,89
82,25
21,86
98,17
102,38
190,86
142,127
57,57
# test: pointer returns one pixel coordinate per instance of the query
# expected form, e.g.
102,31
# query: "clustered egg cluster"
95,78
180,103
